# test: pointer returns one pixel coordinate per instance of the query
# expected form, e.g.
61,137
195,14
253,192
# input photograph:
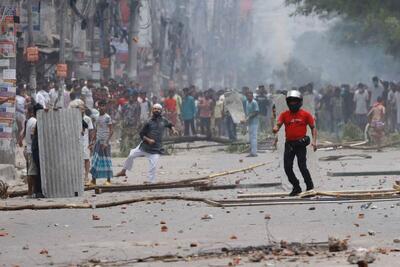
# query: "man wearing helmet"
296,120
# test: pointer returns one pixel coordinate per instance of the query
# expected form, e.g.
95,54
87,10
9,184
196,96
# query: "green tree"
375,21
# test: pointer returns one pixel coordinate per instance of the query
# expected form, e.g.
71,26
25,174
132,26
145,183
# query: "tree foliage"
376,21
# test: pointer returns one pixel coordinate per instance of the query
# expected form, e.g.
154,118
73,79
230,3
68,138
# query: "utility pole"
32,66
133,39
106,38
61,60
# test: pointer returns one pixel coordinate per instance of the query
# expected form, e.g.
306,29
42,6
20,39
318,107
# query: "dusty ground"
125,233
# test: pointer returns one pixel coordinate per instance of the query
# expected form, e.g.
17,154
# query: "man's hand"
314,145
275,130
104,146
174,132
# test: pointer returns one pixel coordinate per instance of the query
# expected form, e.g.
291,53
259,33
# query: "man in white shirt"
361,100
20,109
31,168
376,91
75,102
87,94
43,97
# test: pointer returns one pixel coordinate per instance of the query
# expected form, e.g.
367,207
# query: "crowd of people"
122,111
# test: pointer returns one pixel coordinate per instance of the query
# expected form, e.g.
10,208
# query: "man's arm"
314,137
277,127
170,126
110,127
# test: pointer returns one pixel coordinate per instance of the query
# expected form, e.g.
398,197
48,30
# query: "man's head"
171,84
245,89
36,108
186,91
30,111
89,83
143,94
156,110
261,90
102,106
375,81
361,88
249,96
171,93
72,96
379,100
294,100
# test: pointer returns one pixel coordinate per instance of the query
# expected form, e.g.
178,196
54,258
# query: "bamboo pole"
336,157
363,173
262,195
313,202
106,204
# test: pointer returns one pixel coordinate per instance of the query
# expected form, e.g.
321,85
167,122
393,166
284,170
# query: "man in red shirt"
296,120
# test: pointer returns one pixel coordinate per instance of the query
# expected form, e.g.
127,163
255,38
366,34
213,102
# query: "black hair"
72,96
103,103
36,108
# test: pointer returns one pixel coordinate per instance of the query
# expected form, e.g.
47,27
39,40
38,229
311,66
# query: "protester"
296,121
151,145
170,106
145,107
130,115
361,100
252,111
188,112
101,160
42,97
219,115
264,103
75,102
20,103
34,167
87,94
31,169
377,121
205,112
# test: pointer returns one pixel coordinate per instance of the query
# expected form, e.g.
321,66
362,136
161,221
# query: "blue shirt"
252,107
188,111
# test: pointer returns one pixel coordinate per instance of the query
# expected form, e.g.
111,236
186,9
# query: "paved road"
134,231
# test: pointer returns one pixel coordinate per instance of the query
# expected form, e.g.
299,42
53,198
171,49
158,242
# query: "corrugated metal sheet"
61,158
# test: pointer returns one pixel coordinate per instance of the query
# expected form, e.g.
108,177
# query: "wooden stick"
285,194
366,173
235,186
213,176
141,187
359,195
342,201
186,139
107,204
336,157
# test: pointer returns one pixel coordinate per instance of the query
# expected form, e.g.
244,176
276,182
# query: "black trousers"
205,126
300,152
189,124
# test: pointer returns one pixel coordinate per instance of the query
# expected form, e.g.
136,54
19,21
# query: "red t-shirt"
170,104
296,123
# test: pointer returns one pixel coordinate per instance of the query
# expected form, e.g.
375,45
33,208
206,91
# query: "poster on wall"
7,110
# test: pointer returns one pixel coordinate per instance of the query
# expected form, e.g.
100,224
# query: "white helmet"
294,100
294,94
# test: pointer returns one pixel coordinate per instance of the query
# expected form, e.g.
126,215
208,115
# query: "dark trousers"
300,152
189,124
205,126
231,128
